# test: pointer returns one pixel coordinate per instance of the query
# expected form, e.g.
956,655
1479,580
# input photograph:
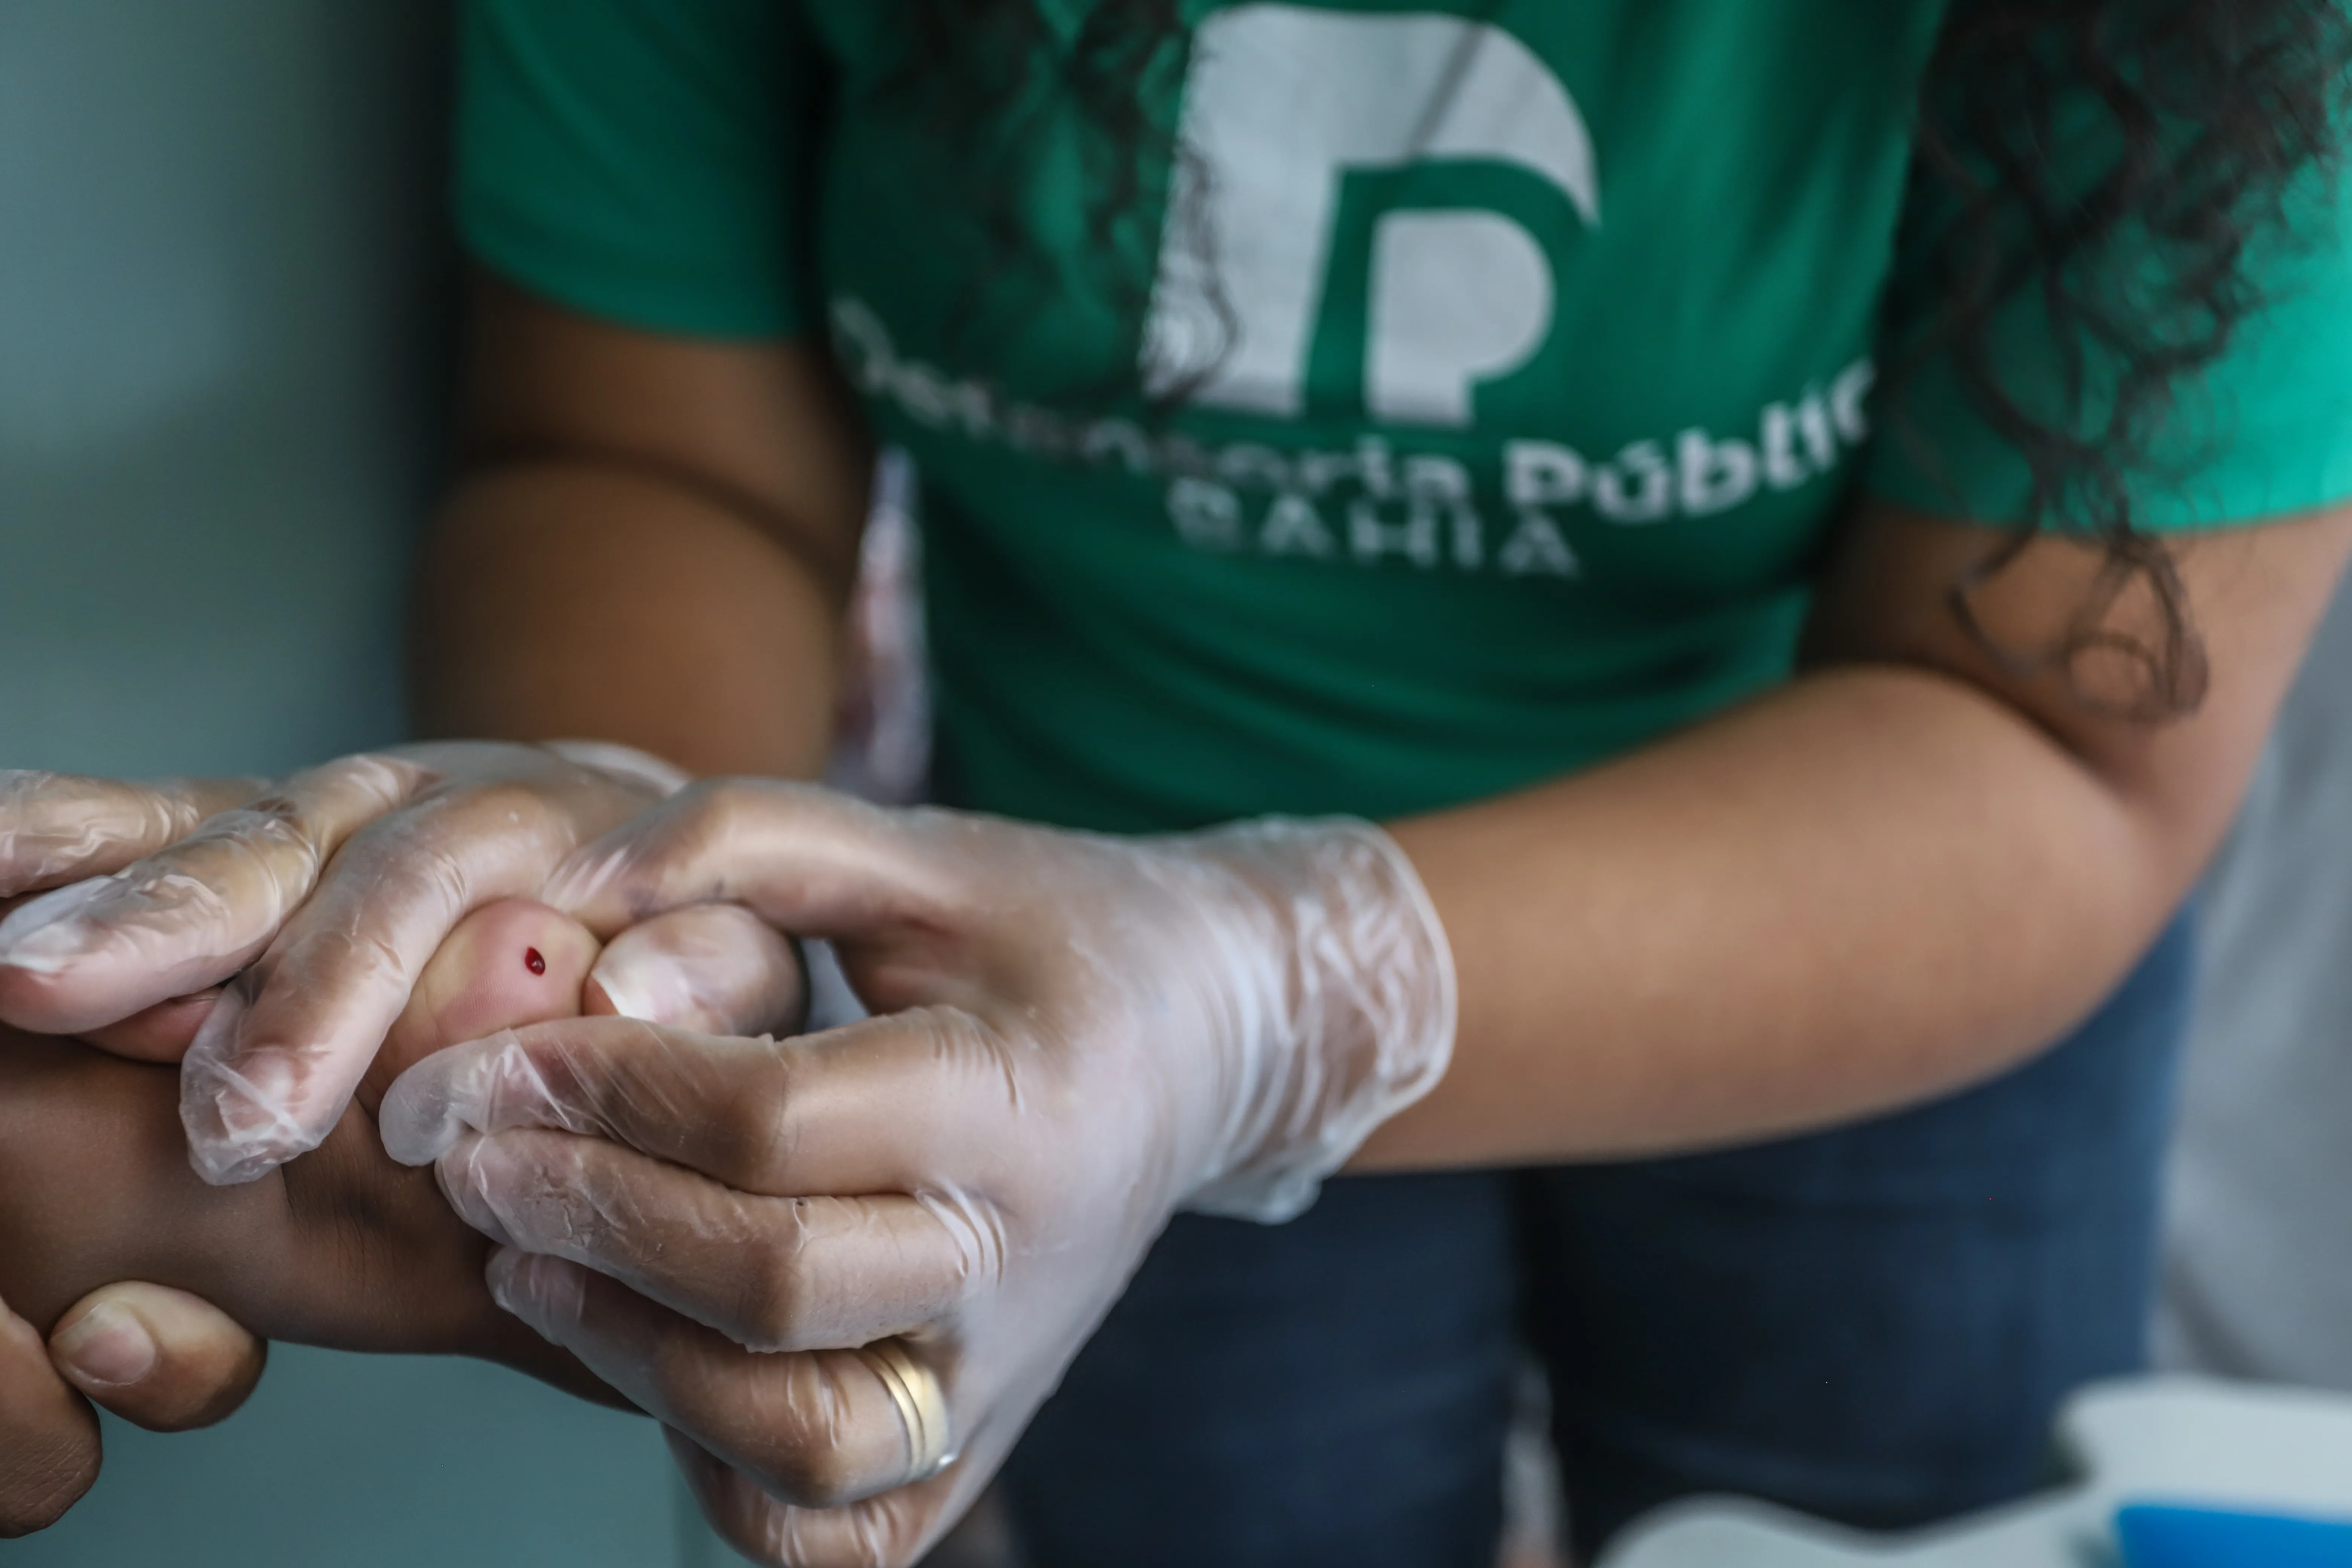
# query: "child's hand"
506,966
341,1249
713,968
478,983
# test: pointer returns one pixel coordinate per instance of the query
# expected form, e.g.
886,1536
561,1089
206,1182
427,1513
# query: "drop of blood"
534,960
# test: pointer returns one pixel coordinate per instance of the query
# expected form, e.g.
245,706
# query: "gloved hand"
1075,1037
324,898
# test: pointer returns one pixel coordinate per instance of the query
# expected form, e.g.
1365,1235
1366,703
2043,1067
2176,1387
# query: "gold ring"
922,1407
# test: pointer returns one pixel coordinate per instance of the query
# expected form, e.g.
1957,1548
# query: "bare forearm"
1871,886
1911,868
567,600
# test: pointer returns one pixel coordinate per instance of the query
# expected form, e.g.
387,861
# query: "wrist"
1344,1014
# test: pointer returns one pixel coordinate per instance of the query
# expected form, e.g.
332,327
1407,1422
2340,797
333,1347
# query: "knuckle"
274,831
754,1135
775,1308
815,1475
386,777
724,809
516,802
809,1440
886,1532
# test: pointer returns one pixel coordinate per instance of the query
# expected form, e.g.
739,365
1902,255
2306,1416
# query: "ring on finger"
922,1406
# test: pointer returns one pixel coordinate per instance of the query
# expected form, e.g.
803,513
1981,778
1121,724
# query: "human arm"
1907,869
1081,1034
652,541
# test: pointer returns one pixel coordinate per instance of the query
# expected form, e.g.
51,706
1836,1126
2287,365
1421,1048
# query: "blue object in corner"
2160,1536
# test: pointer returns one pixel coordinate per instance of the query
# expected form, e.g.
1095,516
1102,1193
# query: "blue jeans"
1874,1324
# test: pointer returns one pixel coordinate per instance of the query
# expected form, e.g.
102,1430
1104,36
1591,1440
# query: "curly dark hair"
2213,108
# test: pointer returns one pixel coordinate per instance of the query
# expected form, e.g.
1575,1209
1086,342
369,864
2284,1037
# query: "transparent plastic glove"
1075,1037
60,828
707,966
323,899
342,1247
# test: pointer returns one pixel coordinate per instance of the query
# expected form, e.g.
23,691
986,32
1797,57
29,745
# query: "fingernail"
471,1176
108,1347
269,1081
443,1098
546,1293
653,988
45,935
241,1120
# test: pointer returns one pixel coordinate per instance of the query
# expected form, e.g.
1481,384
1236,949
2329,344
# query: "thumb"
159,1359
712,968
50,1448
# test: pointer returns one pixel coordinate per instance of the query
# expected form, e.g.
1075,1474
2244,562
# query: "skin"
1907,869
1913,866
654,541
343,1249
1906,872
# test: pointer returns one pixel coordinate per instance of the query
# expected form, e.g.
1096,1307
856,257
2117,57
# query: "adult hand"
156,1357
323,897
1075,1037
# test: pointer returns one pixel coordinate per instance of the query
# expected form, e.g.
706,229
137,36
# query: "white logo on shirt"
1377,501
1283,103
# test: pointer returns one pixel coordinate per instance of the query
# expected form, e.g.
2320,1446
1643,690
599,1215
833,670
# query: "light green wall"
222,304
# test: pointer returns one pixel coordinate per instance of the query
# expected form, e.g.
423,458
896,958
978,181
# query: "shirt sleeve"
643,160
2264,429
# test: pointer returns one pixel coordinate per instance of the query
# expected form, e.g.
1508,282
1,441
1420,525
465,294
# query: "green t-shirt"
1522,361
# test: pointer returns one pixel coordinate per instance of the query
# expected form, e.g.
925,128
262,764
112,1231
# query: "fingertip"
163,1033
547,1294
43,934
105,1346
419,1120
242,1120
477,1181
41,941
159,1358
498,1274
716,969
455,1093
507,964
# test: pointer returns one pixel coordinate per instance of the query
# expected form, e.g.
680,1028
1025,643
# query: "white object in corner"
2167,1441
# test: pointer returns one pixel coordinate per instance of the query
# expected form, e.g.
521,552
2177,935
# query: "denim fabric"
1874,1324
